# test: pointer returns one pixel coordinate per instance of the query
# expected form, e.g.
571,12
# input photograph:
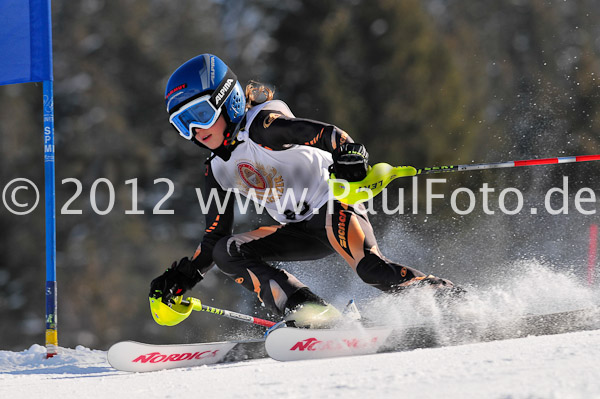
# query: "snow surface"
558,366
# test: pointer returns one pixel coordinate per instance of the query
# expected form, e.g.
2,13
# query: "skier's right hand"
175,281
350,162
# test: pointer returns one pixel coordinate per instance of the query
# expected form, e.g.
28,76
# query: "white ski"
140,357
289,343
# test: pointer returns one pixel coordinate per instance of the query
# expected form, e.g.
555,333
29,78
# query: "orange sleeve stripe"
214,225
197,253
317,138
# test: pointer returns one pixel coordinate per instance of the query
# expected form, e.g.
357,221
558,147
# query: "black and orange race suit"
341,229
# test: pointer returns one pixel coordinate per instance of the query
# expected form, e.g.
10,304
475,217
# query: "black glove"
350,162
179,278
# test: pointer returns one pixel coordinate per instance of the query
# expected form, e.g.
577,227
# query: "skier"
260,148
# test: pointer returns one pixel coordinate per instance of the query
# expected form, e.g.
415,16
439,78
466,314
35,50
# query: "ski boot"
304,309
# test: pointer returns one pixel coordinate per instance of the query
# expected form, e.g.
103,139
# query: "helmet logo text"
180,87
222,93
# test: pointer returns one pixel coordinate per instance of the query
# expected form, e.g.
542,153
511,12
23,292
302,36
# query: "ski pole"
180,309
509,164
382,174
229,314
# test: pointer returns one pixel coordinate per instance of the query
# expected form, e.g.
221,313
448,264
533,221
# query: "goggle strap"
224,89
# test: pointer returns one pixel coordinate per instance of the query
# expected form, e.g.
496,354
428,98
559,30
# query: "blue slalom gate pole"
26,56
49,175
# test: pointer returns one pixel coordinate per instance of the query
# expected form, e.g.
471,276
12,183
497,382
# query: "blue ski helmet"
204,75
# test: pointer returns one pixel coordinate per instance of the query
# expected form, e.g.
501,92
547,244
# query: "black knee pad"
221,254
229,255
377,272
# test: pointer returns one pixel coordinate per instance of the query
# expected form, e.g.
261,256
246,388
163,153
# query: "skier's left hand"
174,281
350,162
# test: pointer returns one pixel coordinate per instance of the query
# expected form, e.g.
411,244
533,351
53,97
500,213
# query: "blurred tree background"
419,82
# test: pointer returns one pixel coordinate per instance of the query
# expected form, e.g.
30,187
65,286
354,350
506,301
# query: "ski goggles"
204,111
199,113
